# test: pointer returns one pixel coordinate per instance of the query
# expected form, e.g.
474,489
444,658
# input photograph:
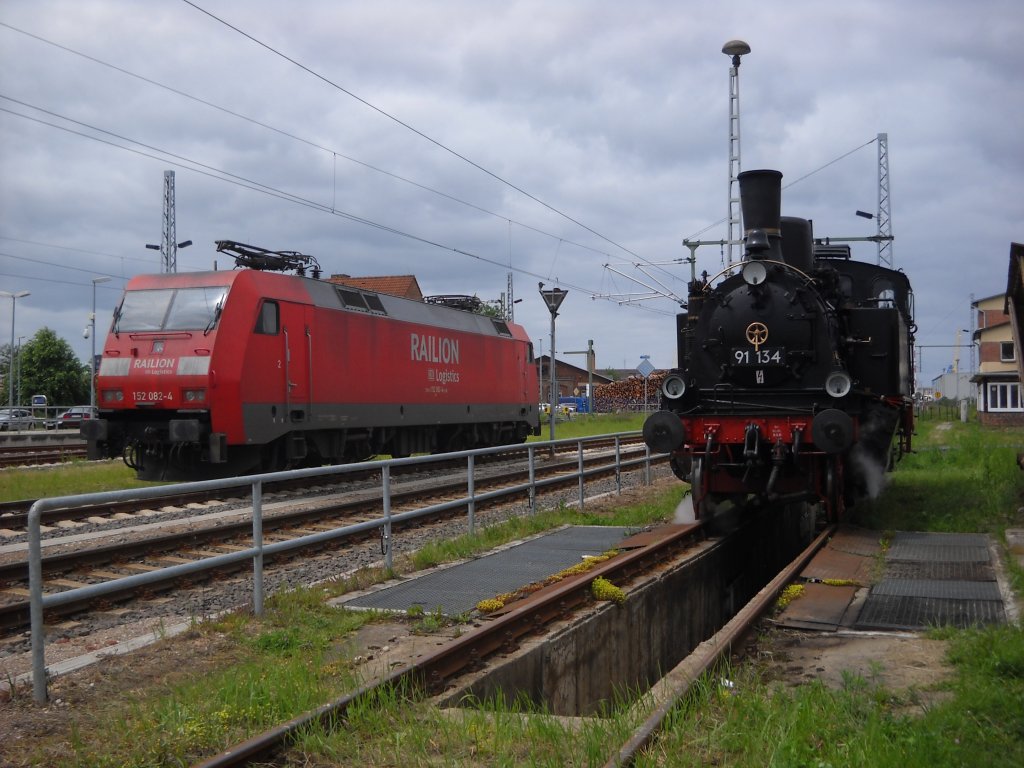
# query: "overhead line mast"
885,257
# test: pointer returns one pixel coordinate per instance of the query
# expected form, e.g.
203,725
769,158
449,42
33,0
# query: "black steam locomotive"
795,376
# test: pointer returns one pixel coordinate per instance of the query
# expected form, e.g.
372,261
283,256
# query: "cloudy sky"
562,142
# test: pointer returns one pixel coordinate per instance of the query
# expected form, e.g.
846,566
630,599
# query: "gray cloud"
615,114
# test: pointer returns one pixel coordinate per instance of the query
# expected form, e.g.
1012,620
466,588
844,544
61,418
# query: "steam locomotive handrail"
737,264
38,602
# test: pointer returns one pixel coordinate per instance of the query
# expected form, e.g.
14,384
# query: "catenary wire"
221,175
294,137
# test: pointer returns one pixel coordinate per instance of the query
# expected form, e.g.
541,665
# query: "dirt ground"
910,666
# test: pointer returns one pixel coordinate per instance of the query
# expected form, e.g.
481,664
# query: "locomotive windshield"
171,309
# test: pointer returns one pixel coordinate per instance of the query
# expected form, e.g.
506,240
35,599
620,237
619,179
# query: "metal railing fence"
39,603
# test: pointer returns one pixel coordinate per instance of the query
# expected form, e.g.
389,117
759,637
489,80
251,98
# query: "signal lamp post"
553,298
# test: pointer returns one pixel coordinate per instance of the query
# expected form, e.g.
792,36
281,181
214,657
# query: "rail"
39,603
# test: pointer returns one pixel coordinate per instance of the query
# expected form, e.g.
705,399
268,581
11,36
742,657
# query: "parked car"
72,418
15,418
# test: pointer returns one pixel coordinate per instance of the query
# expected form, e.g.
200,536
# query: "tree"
48,366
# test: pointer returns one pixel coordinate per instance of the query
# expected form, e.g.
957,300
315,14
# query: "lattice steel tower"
885,257
169,243
734,49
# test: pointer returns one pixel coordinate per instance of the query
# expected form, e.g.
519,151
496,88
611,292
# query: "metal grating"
458,589
940,547
935,579
940,570
892,612
938,588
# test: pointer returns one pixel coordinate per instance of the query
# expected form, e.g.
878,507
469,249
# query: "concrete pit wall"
615,652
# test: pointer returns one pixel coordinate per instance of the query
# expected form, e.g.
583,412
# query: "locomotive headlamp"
673,387
195,395
754,273
838,384
113,396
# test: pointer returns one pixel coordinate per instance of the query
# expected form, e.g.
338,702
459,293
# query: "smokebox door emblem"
757,334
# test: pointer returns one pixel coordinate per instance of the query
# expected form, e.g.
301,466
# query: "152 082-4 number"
152,397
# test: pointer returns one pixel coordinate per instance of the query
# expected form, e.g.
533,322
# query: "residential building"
998,377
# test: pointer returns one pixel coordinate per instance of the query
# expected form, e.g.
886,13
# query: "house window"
1004,397
1006,352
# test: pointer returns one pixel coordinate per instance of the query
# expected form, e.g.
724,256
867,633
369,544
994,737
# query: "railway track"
36,455
14,514
430,673
206,534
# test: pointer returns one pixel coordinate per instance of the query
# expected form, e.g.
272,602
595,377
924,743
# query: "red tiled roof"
405,286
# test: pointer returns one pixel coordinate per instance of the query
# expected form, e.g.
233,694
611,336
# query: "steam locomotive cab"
794,372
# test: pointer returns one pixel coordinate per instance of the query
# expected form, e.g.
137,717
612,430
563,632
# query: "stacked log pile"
628,394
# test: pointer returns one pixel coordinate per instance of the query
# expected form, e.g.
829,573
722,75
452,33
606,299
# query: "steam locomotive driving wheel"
705,503
834,489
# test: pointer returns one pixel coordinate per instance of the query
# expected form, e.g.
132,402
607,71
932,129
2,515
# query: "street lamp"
169,254
20,338
92,326
10,363
734,49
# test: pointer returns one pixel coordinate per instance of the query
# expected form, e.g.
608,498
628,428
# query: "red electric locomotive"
213,374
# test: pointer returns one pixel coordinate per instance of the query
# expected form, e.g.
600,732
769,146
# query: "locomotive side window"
269,319
846,286
885,294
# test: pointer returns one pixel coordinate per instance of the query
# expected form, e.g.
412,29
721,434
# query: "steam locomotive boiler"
795,376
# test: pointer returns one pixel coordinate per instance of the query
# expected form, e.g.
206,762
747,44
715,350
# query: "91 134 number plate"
765,356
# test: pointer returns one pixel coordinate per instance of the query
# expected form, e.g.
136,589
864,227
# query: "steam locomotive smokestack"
761,201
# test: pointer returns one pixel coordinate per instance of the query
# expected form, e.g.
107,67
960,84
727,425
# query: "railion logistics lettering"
155,363
433,349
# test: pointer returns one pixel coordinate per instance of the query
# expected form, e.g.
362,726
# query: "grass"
265,672
757,723
962,478
67,480
294,659
585,425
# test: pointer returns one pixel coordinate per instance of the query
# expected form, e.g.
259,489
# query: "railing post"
257,544
647,464
618,465
470,490
533,479
579,469
385,534
35,586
